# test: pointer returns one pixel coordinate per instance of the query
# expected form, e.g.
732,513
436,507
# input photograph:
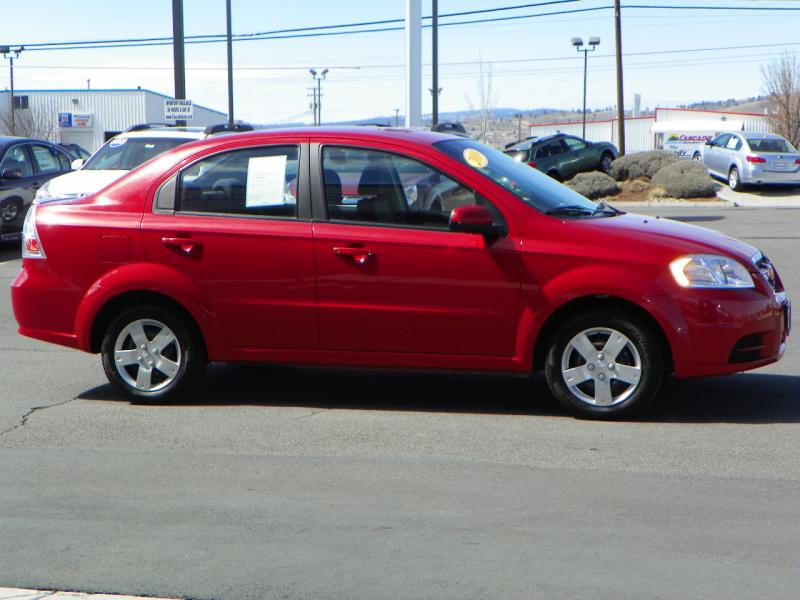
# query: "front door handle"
359,255
186,246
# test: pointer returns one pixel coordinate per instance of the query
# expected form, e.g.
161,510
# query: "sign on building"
68,119
178,110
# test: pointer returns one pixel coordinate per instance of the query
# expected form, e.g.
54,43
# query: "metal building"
641,133
88,117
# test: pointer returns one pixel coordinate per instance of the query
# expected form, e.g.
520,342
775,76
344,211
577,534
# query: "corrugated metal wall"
111,110
637,132
752,122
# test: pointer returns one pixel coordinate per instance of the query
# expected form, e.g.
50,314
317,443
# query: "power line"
326,30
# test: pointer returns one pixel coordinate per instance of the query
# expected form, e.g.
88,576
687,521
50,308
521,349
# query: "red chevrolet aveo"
388,248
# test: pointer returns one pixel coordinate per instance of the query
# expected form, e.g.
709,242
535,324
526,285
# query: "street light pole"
179,59
578,43
317,105
435,62
10,54
230,62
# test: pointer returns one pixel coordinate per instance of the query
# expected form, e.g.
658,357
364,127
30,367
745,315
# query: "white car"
123,153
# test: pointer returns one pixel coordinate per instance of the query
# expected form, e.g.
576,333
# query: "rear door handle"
359,255
186,246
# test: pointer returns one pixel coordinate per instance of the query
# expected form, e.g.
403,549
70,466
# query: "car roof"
193,133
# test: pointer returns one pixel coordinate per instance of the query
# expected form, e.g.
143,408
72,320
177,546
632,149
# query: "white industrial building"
89,117
647,133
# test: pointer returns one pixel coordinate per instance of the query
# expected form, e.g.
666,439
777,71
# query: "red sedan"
388,248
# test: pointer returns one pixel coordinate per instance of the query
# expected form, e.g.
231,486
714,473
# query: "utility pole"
10,54
435,90
317,93
312,94
397,117
179,59
620,93
413,63
519,125
230,62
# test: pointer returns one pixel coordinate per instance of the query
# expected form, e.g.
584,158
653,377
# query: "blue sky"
532,62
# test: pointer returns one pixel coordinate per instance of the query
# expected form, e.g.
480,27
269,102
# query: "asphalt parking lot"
275,482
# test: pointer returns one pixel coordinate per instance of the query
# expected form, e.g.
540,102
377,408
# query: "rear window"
770,145
125,154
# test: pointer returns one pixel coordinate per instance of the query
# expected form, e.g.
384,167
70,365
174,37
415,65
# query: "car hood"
82,182
646,239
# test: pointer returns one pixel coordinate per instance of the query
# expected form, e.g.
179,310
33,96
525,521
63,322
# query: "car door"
234,229
579,156
18,184
391,276
713,155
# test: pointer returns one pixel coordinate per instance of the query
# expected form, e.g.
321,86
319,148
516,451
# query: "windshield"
128,153
533,187
770,145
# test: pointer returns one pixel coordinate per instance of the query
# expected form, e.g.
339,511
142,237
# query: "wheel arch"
582,304
116,304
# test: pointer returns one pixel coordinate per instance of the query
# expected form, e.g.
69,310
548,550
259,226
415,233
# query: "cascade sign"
178,110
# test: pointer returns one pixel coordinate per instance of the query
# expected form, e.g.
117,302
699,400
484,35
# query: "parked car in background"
304,247
562,156
76,151
25,165
747,158
123,153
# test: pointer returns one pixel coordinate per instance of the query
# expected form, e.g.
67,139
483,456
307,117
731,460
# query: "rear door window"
46,159
253,182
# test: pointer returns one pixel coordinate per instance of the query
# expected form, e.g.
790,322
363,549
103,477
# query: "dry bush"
641,164
685,179
593,185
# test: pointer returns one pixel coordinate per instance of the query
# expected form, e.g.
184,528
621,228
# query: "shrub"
593,185
685,179
641,164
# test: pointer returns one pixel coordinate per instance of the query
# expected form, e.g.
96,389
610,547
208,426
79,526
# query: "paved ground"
295,483
773,197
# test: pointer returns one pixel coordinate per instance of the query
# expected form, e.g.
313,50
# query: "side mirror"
76,164
11,174
709,143
473,219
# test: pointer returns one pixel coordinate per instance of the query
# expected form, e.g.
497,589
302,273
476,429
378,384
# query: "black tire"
627,398
696,157
605,162
186,350
554,174
734,180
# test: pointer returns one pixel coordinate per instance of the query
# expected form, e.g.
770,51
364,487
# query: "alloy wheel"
147,355
601,366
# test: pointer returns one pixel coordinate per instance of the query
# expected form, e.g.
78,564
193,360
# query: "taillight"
797,161
31,245
756,159
532,164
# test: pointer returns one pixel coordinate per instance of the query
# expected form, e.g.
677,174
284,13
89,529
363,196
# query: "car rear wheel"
734,181
604,365
152,354
605,162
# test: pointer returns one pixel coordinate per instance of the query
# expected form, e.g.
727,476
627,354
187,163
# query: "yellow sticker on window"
475,158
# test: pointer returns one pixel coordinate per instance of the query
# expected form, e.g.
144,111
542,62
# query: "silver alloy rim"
147,355
9,211
733,178
606,166
601,366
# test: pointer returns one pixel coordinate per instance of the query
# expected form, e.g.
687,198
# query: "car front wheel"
604,365
152,354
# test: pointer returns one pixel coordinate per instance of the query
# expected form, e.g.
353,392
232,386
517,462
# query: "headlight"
43,193
710,271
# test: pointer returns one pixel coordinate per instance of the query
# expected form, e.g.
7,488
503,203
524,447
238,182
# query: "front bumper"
715,332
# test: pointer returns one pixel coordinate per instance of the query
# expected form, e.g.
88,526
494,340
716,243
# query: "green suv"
562,156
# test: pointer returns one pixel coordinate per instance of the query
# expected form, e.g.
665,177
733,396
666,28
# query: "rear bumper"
754,175
715,332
